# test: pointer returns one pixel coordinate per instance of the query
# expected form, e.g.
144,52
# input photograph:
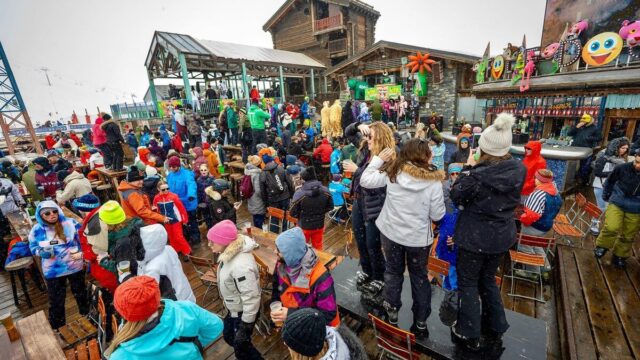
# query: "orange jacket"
136,204
212,162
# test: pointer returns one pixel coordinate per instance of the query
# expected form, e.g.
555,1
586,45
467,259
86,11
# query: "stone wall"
442,97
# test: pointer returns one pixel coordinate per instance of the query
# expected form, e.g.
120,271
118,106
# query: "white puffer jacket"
239,280
161,259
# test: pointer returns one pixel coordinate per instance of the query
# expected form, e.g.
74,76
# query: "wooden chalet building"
329,31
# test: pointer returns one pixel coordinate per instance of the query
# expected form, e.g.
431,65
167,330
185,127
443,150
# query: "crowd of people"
309,168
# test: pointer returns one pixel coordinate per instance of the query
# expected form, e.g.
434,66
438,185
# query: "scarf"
299,274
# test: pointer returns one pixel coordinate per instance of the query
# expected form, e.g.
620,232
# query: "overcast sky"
95,50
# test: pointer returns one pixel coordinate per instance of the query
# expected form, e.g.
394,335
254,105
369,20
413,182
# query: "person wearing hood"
585,134
363,115
487,193
615,154
162,263
159,329
46,179
335,158
301,280
135,202
294,170
166,138
540,209
54,238
309,205
239,285
10,198
533,162
114,141
219,206
406,231
461,154
453,170
325,116
131,140
100,139
323,152
50,141
204,180
622,218
307,337
276,186
465,132
255,204
257,117
157,151
11,172
170,206
182,183
212,160
347,115
75,186
198,160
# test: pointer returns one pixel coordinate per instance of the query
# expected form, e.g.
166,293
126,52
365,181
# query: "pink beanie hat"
223,233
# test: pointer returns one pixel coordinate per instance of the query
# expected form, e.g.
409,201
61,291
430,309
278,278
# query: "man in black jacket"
310,205
622,218
115,141
276,186
585,134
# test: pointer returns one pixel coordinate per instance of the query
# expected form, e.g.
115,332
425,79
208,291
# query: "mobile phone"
476,141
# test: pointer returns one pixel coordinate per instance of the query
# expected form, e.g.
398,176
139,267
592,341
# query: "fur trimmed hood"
241,244
422,173
212,193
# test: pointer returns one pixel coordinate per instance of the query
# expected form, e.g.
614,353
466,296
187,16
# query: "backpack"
246,187
275,183
297,181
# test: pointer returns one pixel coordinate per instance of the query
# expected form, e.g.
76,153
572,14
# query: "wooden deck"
603,302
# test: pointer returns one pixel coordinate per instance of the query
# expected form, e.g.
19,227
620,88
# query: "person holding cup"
55,240
239,284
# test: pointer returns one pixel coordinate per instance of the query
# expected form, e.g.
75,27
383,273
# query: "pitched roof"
226,50
443,54
284,8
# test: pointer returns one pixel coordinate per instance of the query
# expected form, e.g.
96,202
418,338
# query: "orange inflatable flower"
420,62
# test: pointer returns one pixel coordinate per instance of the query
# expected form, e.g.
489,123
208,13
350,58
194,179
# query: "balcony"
328,24
337,46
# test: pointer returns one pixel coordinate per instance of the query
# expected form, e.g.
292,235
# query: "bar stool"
17,267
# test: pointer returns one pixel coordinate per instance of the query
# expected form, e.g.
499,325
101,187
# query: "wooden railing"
328,23
336,46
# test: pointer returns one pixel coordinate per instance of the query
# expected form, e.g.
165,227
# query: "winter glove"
243,333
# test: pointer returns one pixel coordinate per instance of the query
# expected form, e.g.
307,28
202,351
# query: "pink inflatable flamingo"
529,68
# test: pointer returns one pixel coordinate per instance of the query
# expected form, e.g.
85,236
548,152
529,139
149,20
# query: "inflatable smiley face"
497,67
602,49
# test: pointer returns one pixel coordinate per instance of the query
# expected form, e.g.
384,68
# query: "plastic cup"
124,267
275,307
7,322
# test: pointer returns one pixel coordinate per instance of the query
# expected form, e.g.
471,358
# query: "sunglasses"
164,189
454,174
203,170
49,212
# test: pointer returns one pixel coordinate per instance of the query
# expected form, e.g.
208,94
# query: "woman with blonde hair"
420,133
367,206
159,329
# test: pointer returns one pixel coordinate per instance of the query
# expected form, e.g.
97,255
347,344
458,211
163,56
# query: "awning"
627,101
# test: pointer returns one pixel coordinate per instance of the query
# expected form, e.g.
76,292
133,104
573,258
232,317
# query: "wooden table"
112,177
267,250
20,224
37,340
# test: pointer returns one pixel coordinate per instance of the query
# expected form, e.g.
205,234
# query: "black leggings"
57,290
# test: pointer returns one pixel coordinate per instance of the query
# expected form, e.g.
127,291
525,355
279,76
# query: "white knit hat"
496,139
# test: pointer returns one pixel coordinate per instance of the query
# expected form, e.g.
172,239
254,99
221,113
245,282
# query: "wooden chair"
523,258
88,350
291,221
102,324
349,202
438,268
279,215
579,217
207,273
76,332
393,341
262,323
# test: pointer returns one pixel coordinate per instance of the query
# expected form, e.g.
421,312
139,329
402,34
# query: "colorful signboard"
383,91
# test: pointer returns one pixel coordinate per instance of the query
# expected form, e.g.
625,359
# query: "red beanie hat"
206,146
173,161
544,176
138,298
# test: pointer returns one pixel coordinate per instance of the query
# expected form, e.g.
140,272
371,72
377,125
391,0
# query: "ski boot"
372,293
392,313
361,280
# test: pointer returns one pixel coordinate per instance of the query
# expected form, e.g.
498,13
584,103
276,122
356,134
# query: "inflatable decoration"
577,29
529,68
550,51
497,67
602,49
481,66
518,69
422,64
630,32
358,88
